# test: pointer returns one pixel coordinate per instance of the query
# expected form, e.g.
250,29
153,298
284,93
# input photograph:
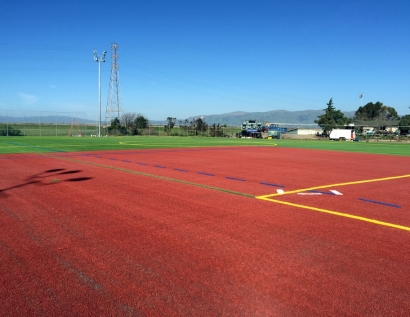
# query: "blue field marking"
98,156
112,159
379,202
127,161
180,170
141,163
270,184
206,174
160,166
318,191
235,179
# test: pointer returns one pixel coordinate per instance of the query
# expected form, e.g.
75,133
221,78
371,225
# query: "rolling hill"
273,116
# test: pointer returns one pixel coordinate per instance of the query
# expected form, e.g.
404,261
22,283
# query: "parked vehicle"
342,134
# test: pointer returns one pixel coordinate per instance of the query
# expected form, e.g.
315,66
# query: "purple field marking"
206,174
270,184
379,202
236,179
321,192
180,170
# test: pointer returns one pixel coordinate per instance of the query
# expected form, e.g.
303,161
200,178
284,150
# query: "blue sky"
189,58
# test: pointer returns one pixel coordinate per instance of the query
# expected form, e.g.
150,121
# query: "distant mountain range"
232,118
273,116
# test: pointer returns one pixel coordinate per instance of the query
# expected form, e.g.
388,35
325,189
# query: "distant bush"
10,131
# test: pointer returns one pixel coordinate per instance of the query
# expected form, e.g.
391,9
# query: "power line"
45,69
46,59
47,48
238,91
188,76
240,86
197,91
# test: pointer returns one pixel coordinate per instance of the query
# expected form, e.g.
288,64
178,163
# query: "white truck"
342,134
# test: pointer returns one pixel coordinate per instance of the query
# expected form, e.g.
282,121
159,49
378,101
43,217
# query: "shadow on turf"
39,179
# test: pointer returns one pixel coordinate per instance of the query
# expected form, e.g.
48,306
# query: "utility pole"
99,61
114,102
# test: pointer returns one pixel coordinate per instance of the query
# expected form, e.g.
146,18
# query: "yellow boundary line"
336,213
334,185
264,197
340,214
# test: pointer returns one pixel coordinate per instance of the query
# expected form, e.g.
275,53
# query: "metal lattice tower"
114,102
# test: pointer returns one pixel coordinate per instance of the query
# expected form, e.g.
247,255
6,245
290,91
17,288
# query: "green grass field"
10,145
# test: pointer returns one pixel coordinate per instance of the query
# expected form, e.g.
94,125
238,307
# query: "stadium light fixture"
99,61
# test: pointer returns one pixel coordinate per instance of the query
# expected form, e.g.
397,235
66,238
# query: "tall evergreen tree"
332,118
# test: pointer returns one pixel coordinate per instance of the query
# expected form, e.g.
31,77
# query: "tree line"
128,124
199,126
134,124
376,114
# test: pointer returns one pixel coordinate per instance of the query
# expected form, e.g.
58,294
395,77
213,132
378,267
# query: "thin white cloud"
27,99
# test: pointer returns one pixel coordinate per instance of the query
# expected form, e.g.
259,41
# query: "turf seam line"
379,203
154,176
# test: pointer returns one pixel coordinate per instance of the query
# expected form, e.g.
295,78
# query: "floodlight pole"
99,60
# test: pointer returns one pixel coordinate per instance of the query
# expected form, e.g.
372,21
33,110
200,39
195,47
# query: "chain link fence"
48,123
178,130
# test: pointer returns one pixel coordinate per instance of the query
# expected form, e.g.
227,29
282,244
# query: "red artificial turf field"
203,232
